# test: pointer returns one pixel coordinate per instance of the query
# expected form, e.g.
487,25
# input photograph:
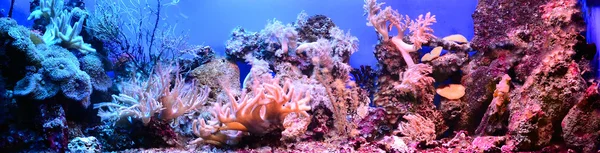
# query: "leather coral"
257,112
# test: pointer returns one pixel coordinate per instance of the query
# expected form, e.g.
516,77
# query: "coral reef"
524,83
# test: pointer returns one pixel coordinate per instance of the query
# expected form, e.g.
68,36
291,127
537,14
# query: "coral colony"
81,81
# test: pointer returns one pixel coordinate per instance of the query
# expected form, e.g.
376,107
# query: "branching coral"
414,79
60,31
48,8
384,20
257,112
142,99
286,35
103,23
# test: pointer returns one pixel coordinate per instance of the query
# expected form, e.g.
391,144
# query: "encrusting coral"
495,118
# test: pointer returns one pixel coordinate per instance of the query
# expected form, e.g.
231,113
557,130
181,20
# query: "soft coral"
419,28
257,112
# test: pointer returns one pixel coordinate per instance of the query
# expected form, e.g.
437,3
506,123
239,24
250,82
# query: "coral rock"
216,72
581,126
84,144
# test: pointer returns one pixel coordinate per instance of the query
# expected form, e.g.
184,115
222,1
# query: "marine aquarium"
299,76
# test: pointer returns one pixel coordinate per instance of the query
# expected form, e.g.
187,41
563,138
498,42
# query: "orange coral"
256,112
452,91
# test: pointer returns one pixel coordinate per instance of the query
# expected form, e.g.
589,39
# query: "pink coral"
419,28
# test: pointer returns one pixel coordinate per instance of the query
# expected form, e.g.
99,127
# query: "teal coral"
59,69
78,88
92,65
35,86
19,38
